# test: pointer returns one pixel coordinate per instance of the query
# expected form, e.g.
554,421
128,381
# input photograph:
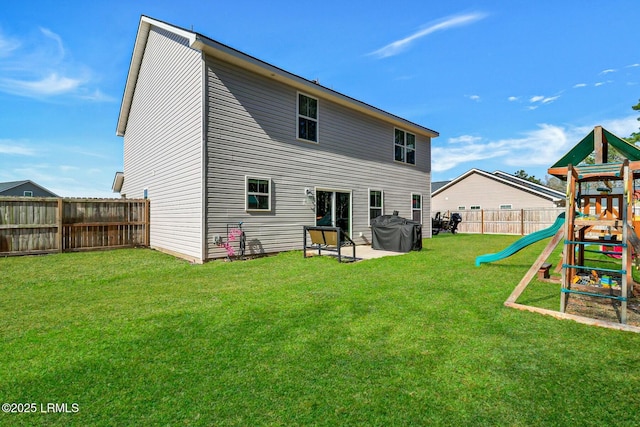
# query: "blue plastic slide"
523,242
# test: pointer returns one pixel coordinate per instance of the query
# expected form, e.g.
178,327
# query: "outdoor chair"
331,239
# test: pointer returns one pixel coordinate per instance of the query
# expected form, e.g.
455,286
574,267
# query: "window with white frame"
416,207
258,192
27,193
506,206
475,207
375,204
461,208
307,118
404,147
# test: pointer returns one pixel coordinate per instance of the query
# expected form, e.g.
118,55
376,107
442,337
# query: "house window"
405,147
28,194
506,206
475,207
145,193
461,208
258,194
416,207
307,118
375,204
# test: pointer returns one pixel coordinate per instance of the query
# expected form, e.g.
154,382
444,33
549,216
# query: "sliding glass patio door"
333,209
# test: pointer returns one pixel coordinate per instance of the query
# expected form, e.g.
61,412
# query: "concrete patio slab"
363,252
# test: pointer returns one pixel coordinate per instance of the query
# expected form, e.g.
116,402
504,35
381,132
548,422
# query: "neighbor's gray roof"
435,186
4,186
531,185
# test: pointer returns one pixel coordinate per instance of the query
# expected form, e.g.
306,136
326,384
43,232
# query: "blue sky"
508,84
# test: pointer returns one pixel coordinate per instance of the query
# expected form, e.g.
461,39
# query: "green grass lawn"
136,337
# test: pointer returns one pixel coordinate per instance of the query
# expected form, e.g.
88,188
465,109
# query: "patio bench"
331,239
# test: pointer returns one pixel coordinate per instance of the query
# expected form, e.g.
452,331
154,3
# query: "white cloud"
550,99
513,98
608,71
540,147
466,139
38,67
632,65
445,158
542,99
96,95
399,46
56,38
52,84
7,45
580,85
622,127
15,148
474,97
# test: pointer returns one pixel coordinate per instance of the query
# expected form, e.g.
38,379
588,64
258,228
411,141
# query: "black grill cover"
394,233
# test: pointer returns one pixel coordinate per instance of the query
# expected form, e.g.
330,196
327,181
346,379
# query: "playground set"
599,218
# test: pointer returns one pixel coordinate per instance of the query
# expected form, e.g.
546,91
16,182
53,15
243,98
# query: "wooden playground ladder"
575,233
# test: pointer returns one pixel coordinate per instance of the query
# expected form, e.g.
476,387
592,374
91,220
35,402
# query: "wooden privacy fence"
34,225
507,221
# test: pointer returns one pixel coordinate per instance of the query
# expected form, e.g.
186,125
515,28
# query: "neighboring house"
214,136
477,189
24,188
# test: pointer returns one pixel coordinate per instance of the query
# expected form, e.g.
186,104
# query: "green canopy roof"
585,147
625,148
577,153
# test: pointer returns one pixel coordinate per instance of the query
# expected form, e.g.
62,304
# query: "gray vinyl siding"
487,193
251,131
163,143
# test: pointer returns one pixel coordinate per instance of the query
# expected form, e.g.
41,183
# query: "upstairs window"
405,147
258,194
307,118
27,193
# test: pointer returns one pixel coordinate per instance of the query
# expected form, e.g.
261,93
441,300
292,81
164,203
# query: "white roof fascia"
458,179
136,61
498,173
497,178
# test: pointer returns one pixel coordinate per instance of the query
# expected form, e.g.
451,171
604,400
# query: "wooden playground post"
627,213
570,253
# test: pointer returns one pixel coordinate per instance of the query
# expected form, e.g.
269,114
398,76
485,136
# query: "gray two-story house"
214,136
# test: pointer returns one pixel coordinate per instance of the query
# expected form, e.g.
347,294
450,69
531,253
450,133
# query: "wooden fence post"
522,222
60,223
147,220
481,221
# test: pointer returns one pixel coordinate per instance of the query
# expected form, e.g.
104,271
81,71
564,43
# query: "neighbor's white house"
214,136
477,189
